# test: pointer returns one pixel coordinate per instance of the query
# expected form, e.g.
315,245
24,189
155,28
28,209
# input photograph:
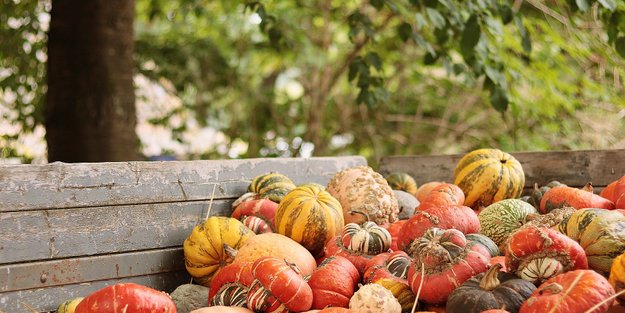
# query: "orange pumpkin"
571,292
222,309
425,189
276,245
561,196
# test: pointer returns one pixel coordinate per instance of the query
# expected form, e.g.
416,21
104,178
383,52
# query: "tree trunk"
90,108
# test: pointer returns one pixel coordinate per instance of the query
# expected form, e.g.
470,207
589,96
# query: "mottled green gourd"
502,218
273,186
69,306
402,181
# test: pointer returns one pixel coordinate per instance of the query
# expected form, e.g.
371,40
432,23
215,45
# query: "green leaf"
470,37
421,22
608,4
429,59
526,43
392,6
506,14
499,99
378,4
404,30
619,44
373,59
582,5
437,19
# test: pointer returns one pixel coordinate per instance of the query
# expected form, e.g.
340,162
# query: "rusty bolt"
44,277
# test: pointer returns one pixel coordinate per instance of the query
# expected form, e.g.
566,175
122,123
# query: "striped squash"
310,216
487,176
502,218
273,186
402,181
600,232
485,241
204,248
401,290
369,238
69,306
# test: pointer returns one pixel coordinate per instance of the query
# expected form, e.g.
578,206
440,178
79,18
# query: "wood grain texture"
48,299
61,185
51,234
34,275
574,168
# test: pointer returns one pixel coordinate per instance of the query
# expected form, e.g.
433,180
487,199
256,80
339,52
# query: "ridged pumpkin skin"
502,218
446,260
333,283
483,240
558,197
387,265
401,290
310,216
263,209
601,234
402,181
570,292
364,195
490,290
617,276
368,238
487,176
273,186
278,287
204,248
279,246
539,253
230,286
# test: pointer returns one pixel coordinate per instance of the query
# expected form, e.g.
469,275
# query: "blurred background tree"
221,79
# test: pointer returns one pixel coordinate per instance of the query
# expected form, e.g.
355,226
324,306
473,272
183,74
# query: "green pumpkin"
600,232
69,306
273,186
537,193
502,218
402,181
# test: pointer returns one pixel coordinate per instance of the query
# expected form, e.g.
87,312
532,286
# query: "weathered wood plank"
60,185
48,299
574,168
47,274
51,234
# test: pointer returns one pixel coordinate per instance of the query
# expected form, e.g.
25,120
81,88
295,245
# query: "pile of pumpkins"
365,243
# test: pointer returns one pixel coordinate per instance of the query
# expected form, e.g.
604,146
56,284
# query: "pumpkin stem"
587,187
490,280
230,251
553,288
416,299
361,213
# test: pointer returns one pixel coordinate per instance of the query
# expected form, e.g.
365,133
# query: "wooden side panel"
60,185
51,234
48,299
574,168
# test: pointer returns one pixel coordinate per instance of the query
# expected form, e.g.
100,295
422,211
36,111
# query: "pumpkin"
336,310
502,218
364,196
223,309
402,181
558,197
443,195
204,248
394,229
263,211
443,259
425,189
230,286
483,240
387,265
461,218
487,176
278,287
536,195
189,297
310,216
374,298
571,292
539,253
617,276
69,306
359,243
407,204
130,297
273,186
333,283
490,290
501,260
279,246
619,193
400,290
601,234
